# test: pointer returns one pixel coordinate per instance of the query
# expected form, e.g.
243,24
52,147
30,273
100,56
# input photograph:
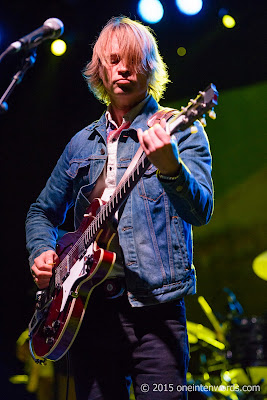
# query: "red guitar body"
56,323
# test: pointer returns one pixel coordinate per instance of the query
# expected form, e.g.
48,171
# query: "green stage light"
181,51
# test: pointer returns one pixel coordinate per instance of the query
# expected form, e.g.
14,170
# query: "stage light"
58,47
228,21
189,7
150,11
259,265
227,376
181,51
206,376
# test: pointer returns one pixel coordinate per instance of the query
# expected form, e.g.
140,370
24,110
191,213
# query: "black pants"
117,343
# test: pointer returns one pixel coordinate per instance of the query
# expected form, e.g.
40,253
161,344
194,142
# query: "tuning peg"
212,114
203,121
193,129
192,101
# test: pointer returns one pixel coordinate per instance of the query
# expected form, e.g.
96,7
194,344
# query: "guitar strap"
166,113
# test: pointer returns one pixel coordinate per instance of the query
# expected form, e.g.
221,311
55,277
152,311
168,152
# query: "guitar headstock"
196,109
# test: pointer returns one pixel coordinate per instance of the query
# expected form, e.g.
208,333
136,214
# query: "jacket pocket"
76,164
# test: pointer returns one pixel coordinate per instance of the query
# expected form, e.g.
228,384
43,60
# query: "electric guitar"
84,257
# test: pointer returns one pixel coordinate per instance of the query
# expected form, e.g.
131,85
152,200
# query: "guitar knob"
47,330
55,325
50,340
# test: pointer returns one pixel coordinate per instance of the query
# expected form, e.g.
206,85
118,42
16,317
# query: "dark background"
52,103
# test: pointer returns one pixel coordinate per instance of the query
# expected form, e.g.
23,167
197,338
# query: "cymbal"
203,333
259,265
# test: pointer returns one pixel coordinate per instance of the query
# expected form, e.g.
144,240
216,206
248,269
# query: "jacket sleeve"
49,210
191,193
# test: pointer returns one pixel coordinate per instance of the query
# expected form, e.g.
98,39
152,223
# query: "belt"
112,288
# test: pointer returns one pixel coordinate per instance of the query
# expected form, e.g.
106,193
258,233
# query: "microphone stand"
17,78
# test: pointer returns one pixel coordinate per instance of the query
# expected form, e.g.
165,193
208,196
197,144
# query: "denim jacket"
155,223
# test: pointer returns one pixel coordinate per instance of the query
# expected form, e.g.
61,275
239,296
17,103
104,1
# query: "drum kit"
231,361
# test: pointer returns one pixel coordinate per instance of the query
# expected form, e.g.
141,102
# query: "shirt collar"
130,116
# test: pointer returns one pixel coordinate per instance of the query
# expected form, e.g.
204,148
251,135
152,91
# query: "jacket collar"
140,121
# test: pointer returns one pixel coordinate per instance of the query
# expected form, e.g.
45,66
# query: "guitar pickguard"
78,271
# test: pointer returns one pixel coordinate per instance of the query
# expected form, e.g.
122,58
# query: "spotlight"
181,51
189,7
228,21
259,265
150,11
58,47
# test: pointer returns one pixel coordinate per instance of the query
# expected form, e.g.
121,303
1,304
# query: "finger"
50,257
46,260
42,276
161,134
163,123
55,258
140,136
38,272
42,283
33,272
41,267
152,141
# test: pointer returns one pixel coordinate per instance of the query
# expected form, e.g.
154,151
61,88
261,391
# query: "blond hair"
140,51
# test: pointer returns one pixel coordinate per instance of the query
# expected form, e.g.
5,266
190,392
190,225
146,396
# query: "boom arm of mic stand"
17,78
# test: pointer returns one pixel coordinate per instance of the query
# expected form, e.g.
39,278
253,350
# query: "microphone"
51,29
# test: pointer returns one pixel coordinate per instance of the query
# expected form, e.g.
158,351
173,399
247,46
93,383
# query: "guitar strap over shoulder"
165,112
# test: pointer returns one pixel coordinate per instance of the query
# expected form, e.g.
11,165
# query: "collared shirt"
112,145
106,183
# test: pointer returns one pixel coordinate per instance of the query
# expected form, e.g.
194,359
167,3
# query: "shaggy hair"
140,53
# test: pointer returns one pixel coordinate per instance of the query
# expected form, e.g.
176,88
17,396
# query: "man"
135,324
